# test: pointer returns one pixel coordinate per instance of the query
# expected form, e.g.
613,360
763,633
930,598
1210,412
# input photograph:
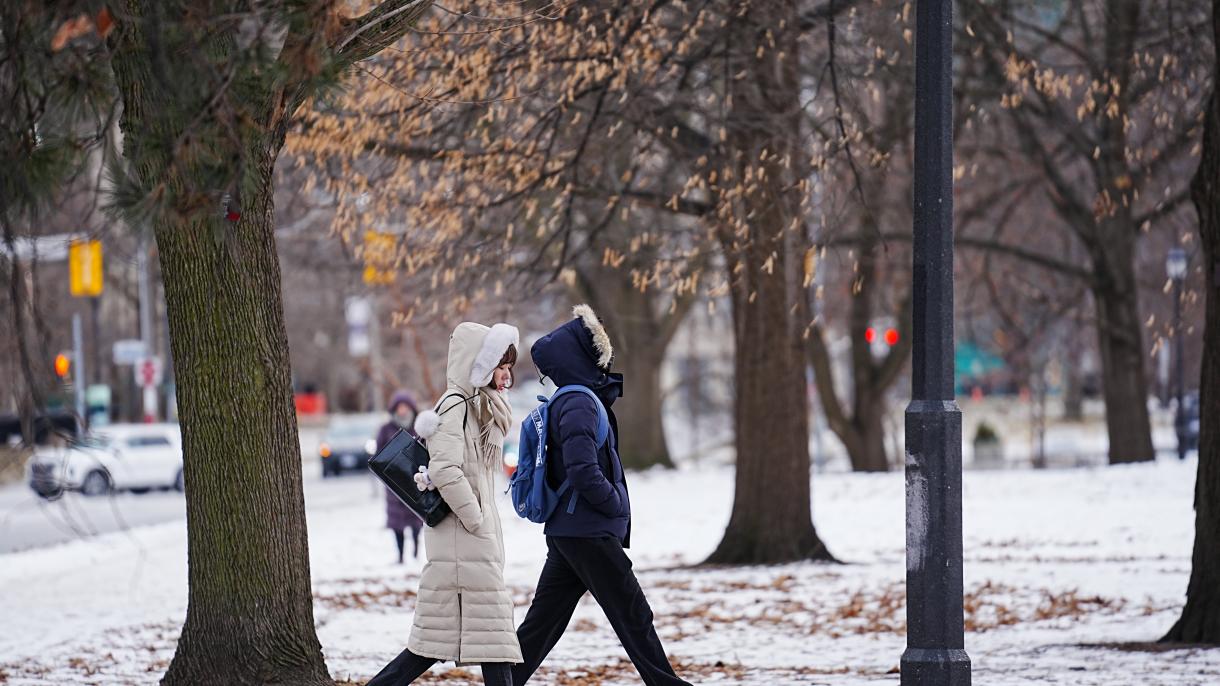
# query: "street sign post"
129,351
78,383
148,372
358,312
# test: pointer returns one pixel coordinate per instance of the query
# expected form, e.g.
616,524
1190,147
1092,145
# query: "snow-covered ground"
1060,566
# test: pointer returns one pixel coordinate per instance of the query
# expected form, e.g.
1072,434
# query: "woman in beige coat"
463,611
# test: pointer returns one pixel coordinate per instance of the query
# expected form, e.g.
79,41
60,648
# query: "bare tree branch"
379,28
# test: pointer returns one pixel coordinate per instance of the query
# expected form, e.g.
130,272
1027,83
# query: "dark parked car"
61,424
347,446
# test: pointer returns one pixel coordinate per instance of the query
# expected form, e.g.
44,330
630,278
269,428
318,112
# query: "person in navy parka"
585,548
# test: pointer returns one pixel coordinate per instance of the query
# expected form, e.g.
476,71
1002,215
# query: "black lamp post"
935,653
1175,266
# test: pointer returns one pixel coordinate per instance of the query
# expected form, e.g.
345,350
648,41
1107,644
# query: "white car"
131,457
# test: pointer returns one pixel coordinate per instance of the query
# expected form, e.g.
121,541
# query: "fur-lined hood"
601,339
475,351
497,342
579,352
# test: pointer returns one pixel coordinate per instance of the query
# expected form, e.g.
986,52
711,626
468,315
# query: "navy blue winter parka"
568,355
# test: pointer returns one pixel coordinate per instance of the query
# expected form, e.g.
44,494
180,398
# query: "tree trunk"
1105,221
1124,384
642,434
249,614
640,337
1073,385
1116,294
863,437
1200,620
869,454
863,431
770,520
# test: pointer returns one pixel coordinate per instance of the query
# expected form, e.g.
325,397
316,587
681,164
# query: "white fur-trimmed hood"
474,352
601,339
495,344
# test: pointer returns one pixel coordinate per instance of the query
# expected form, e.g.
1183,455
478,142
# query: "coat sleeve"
446,451
578,441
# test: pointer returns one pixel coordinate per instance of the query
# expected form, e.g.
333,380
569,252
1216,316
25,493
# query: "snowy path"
1054,560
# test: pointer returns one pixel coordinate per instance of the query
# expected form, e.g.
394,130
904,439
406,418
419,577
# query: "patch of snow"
1055,563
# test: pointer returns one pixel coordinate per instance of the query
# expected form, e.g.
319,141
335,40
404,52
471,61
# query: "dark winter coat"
397,516
567,356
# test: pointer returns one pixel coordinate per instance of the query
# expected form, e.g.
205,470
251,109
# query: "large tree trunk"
640,337
250,614
1116,293
642,433
770,520
1200,620
1124,384
869,452
201,115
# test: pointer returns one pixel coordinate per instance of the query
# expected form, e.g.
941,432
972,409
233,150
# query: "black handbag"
397,463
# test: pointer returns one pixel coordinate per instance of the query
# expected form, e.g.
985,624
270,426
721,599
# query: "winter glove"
422,481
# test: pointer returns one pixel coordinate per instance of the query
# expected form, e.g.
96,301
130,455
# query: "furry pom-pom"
426,424
601,339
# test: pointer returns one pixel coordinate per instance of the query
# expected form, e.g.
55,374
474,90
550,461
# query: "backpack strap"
603,419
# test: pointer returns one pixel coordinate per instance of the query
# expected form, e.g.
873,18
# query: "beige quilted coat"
464,612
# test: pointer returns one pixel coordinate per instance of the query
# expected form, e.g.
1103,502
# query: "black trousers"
408,667
601,567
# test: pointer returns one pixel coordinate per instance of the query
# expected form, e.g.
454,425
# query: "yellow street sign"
85,268
377,277
379,254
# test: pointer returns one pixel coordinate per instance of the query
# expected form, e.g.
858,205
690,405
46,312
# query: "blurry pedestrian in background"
397,517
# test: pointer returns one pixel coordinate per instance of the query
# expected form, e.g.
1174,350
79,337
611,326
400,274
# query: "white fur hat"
495,344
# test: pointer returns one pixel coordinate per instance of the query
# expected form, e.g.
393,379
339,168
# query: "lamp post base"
935,667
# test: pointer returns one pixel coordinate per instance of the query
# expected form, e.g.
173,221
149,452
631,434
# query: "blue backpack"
533,498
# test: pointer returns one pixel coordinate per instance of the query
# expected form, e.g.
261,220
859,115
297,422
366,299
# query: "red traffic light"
891,337
870,335
62,366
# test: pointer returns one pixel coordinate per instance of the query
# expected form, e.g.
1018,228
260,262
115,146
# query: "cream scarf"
495,418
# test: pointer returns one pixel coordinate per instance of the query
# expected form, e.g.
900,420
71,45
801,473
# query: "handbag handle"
465,403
